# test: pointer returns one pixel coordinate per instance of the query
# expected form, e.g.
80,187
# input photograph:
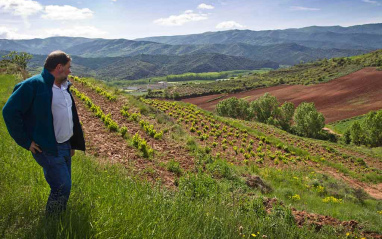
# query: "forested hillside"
355,37
285,47
142,66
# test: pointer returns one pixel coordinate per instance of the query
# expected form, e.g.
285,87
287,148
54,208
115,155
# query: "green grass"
108,201
342,125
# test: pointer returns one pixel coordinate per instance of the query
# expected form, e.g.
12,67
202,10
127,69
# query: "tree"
308,121
286,115
372,128
233,107
356,133
19,58
265,107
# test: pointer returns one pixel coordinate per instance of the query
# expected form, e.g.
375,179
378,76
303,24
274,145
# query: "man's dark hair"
55,58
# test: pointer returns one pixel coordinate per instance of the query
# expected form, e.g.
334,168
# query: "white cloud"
297,8
22,8
372,2
66,12
229,25
75,31
11,33
178,20
205,6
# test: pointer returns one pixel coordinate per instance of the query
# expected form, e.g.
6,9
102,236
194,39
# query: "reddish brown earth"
342,98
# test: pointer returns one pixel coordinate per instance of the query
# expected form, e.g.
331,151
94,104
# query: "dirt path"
374,191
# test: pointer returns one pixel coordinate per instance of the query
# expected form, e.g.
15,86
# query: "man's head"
58,63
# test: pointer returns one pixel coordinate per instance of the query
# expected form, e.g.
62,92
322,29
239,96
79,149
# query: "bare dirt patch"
317,221
374,191
342,98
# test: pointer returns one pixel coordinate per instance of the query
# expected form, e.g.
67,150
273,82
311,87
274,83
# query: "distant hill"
142,66
285,53
273,47
355,37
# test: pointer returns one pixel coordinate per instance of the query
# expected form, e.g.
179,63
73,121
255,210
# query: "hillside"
284,53
285,47
341,98
151,171
143,66
355,37
302,74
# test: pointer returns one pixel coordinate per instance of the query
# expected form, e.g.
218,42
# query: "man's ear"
59,67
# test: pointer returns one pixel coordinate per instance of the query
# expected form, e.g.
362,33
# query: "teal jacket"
28,115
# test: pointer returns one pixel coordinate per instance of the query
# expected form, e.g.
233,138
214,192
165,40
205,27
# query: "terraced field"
241,143
342,98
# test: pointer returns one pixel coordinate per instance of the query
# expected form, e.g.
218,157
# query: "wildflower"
347,234
332,199
253,234
320,189
380,212
295,197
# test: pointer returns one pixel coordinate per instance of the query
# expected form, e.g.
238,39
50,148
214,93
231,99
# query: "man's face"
64,70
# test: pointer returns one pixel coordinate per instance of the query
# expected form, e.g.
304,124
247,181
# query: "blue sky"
130,19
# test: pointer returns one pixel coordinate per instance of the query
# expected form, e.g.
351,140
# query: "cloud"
229,25
66,12
297,8
75,31
372,2
12,33
205,6
22,8
179,20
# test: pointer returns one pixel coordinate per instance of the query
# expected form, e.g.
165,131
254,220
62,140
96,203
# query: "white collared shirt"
62,113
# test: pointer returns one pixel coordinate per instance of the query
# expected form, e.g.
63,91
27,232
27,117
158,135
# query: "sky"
132,19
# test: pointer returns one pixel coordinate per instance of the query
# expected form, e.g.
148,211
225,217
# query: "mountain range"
210,51
144,66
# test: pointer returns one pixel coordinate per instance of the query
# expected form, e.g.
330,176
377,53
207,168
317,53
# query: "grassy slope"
342,125
108,202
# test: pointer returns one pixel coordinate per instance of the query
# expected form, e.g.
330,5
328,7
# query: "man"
41,117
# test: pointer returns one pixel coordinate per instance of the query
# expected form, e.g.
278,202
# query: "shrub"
308,121
234,107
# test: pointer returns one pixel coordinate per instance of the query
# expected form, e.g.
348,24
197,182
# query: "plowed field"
342,98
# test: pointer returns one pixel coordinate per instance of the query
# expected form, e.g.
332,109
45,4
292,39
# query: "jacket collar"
48,77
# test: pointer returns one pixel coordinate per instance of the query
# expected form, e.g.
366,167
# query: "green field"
205,77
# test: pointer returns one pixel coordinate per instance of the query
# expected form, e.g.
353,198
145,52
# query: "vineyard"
207,176
216,146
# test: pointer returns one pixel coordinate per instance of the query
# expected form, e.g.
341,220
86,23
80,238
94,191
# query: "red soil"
342,98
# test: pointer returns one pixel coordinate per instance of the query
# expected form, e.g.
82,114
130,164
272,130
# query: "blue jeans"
57,172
